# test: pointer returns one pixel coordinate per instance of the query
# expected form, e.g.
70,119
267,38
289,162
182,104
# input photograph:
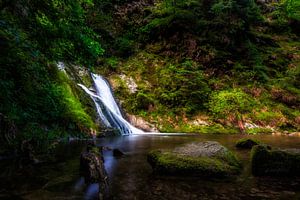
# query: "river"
131,176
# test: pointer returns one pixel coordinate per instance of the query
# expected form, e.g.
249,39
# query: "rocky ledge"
205,159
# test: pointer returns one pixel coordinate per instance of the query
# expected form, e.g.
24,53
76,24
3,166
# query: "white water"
107,107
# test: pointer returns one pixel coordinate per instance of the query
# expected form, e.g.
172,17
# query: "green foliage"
271,117
125,46
34,35
210,129
112,62
292,8
219,24
232,103
286,16
187,90
74,110
254,131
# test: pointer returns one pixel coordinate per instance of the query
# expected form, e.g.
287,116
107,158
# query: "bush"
230,104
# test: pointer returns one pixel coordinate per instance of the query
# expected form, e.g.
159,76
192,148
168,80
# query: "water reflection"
130,176
109,162
79,184
92,191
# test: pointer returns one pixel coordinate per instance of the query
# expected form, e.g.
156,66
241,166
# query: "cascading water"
107,107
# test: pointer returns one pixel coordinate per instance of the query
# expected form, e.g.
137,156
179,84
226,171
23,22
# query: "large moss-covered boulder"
246,143
275,162
207,159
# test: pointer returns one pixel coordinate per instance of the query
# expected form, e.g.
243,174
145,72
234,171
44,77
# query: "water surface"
131,176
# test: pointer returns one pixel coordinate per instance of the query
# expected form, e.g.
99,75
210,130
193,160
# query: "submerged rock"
247,143
207,159
117,153
275,162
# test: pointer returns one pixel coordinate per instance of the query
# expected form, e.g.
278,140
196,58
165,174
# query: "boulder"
206,159
246,143
279,162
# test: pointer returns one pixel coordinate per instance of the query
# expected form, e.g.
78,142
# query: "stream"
131,176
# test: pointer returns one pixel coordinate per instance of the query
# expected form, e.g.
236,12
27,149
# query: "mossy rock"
246,143
205,159
275,162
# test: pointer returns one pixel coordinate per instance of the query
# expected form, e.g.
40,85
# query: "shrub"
230,104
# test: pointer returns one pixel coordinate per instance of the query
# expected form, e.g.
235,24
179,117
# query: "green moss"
73,106
260,130
274,162
171,164
270,117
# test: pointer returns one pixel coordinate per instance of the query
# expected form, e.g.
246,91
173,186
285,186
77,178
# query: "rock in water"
275,162
207,159
93,170
117,153
246,143
92,165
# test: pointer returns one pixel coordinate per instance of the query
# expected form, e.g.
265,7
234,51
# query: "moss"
273,118
274,162
75,110
246,143
260,130
166,163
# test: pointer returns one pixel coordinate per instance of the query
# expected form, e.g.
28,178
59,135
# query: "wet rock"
109,132
130,83
206,159
141,123
247,143
199,122
93,170
117,153
92,165
275,162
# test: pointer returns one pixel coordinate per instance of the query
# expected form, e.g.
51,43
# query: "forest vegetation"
227,63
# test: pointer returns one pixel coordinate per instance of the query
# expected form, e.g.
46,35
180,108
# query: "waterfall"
107,108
